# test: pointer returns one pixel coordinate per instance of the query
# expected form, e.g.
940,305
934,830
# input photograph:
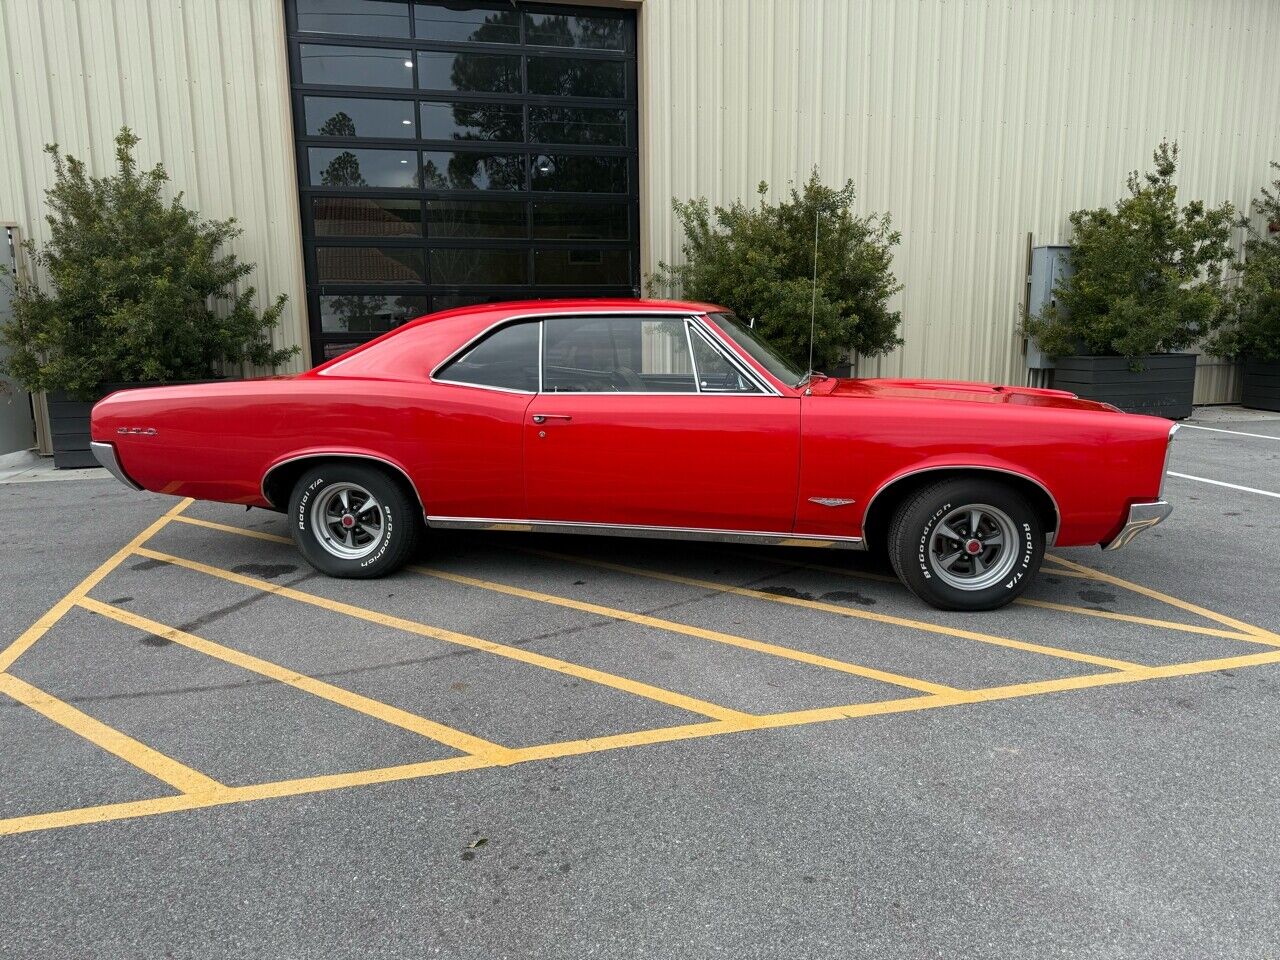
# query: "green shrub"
1148,274
1251,319
759,263
136,288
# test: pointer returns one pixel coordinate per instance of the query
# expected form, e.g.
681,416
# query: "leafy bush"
1148,274
137,289
759,263
1251,320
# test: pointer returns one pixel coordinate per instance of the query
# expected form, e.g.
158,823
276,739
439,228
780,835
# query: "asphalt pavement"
548,747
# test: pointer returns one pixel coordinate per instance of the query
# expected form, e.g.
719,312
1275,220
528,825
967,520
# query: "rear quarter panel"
1093,463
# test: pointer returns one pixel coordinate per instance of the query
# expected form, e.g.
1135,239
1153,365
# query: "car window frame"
697,320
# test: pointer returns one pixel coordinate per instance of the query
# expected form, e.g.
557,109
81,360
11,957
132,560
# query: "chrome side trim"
635,530
1142,516
1168,455
105,454
1050,535
329,454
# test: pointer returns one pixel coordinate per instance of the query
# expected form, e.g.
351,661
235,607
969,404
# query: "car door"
643,421
477,413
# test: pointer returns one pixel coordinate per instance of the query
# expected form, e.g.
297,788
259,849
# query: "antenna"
813,299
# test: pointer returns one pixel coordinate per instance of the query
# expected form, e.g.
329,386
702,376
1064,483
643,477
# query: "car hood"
962,391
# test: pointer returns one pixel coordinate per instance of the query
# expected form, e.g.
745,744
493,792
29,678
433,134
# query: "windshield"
764,354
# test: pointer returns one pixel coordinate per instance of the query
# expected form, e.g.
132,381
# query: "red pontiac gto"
647,418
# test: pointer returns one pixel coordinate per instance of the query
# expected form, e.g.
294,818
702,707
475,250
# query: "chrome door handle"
544,417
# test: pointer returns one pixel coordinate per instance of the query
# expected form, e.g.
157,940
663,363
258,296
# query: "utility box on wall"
1050,265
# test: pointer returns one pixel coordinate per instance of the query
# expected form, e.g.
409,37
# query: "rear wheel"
351,520
966,544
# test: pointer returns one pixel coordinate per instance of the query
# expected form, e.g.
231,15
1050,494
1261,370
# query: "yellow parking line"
448,636
1259,633
113,741
849,612
59,609
672,626
287,788
344,698
1045,604
1134,618
228,528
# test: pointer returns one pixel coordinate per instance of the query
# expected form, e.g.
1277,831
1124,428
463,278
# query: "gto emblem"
144,431
831,501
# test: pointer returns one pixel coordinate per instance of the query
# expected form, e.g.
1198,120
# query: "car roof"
510,307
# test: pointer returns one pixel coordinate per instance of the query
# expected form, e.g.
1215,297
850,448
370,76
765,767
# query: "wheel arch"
280,477
891,493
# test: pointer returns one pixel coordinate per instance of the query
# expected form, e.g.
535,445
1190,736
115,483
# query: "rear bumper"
1142,516
105,454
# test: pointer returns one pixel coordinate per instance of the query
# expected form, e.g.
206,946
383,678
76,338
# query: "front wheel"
351,520
966,544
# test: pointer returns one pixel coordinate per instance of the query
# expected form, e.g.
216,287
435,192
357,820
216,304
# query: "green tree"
759,262
137,288
1148,274
1251,317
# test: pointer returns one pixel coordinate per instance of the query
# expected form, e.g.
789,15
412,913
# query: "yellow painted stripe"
327,691
550,751
461,639
113,741
1044,604
1134,618
672,626
850,612
59,609
227,528
1259,633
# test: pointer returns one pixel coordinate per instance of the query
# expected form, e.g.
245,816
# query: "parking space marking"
327,691
1223,483
242,531
1237,433
1050,605
287,788
132,751
746,643
1253,633
201,791
847,611
59,609
672,699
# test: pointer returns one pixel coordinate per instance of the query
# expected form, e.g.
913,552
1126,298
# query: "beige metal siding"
203,83
973,122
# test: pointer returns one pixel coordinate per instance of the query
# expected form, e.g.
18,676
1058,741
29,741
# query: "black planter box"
1261,385
1164,387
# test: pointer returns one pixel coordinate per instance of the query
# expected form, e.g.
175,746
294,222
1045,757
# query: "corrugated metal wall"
974,122
203,83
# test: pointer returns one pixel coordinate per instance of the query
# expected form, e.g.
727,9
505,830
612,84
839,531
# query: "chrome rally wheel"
346,519
973,547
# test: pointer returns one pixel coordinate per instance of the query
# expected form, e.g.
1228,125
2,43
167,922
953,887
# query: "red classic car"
647,418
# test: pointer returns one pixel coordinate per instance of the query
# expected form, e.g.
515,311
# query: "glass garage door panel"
455,152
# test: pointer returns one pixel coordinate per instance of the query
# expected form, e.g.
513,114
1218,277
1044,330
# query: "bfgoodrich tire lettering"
353,520
966,544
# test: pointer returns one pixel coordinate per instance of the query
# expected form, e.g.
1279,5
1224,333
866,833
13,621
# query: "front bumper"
1142,516
105,453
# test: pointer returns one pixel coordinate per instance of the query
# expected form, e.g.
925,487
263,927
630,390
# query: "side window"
507,358
715,373
616,355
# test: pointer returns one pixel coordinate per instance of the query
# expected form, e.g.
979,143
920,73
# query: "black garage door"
455,153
